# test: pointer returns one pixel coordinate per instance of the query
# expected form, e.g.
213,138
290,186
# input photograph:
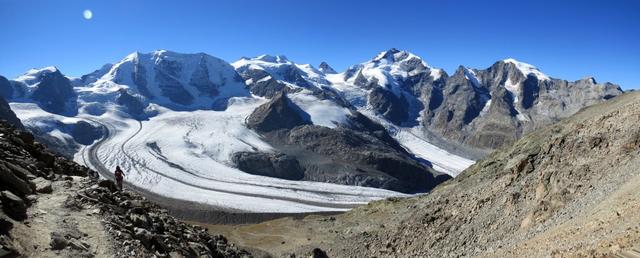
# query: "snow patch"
527,69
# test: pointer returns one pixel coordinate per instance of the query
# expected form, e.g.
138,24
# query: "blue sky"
565,39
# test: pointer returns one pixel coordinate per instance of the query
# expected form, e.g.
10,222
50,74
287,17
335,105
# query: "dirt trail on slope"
48,216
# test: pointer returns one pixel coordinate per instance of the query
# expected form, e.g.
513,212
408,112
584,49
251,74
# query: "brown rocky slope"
568,190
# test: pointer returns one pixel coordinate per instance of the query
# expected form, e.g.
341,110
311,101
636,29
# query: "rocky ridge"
358,152
77,215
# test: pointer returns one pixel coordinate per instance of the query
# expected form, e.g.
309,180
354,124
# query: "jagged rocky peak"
279,113
326,68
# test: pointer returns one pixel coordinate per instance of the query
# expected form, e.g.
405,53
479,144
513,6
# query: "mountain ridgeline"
322,125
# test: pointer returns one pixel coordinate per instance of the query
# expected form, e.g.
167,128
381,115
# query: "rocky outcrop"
7,114
144,229
55,94
390,106
6,89
346,156
279,113
278,165
261,83
326,68
134,105
359,152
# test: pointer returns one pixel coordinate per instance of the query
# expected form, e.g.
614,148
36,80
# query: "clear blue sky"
565,39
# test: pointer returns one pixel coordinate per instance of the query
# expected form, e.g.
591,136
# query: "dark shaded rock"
26,137
85,133
345,156
109,185
326,68
6,89
58,241
55,94
5,225
278,113
277,165
13,206
9,180
144,236
318,253
262,83
7,114
134,105
392,107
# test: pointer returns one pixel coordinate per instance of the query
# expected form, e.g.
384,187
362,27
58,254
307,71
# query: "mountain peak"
34,73
391,55
326,68
527,69
272,59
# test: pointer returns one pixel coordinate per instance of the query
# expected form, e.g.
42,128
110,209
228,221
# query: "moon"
87,14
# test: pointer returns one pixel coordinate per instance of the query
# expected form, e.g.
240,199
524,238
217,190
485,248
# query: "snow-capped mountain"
47,87
326,68
266,75
177,81
193,125
386,84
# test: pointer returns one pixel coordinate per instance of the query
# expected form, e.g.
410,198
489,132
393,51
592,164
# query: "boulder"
58,241
42,185
109,185
9,180
144,236
13,206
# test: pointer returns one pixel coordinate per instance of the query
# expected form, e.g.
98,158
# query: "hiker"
119,177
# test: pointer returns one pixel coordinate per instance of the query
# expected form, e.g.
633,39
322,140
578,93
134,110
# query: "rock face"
278,113
555,191
277,165
496,106
6,89
326,68
360,152
134,105
7,114
53,91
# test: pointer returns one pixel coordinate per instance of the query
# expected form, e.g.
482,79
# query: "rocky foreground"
53,207
568,190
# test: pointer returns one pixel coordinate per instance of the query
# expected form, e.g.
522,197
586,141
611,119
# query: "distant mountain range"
392,122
